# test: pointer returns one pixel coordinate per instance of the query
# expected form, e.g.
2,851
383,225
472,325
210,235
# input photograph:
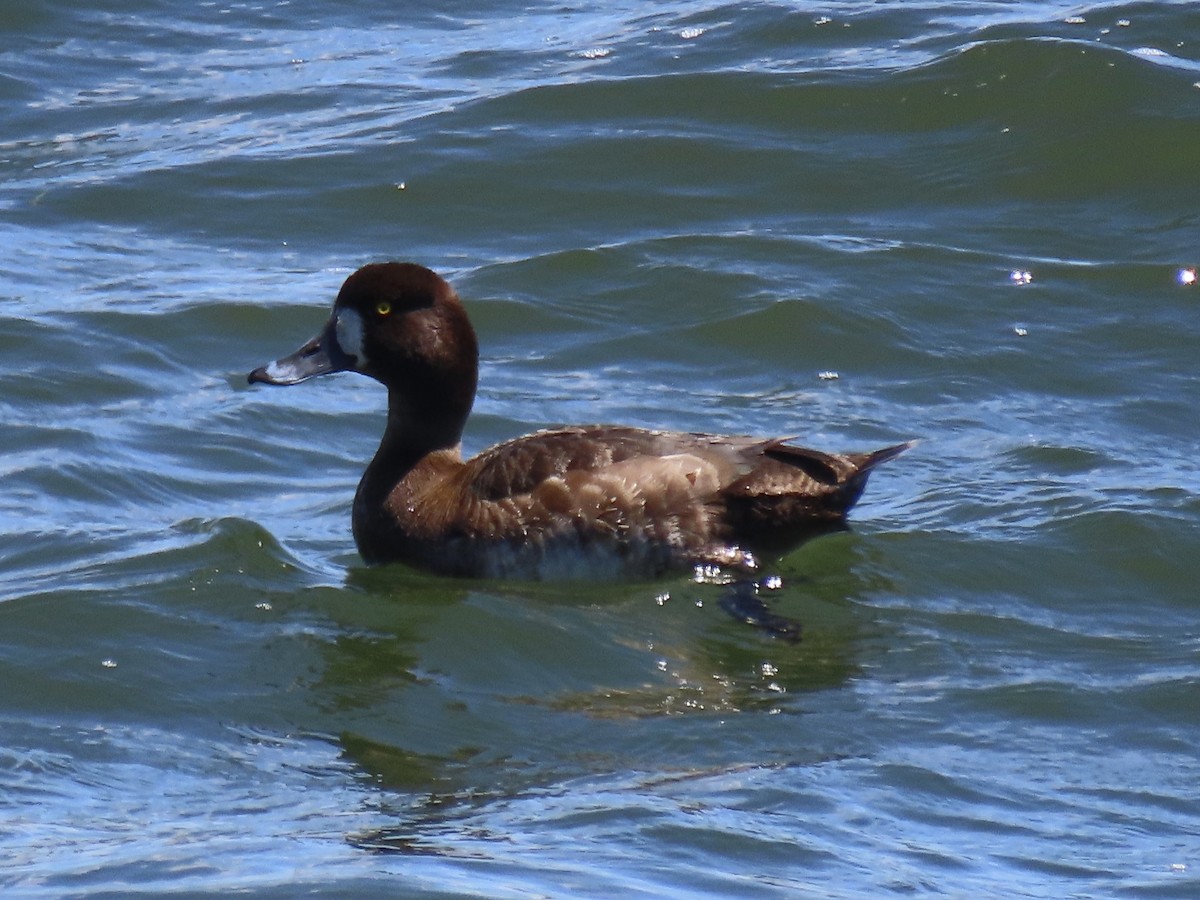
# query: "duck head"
403,325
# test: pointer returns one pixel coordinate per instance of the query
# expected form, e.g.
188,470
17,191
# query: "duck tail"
863,464
869,461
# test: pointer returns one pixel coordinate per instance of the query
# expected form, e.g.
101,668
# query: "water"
676,215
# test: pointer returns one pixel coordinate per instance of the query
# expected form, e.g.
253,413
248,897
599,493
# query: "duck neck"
411,435
411,443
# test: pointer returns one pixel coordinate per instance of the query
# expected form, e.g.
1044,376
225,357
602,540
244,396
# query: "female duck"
582,502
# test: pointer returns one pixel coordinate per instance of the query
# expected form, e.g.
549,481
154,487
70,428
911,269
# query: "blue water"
980,217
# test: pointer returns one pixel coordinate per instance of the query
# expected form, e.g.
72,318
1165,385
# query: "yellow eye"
383,307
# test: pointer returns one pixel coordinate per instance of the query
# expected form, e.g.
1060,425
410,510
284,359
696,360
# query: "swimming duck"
595,501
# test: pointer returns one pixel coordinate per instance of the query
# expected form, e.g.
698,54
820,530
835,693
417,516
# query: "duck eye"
383,307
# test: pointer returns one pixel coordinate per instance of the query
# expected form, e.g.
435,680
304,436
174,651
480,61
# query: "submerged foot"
743,600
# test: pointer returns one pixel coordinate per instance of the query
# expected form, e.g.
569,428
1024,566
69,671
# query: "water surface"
978,216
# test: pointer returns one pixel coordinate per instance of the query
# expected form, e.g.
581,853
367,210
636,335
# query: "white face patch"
349,332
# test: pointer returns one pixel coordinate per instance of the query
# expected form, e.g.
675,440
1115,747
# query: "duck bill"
320,356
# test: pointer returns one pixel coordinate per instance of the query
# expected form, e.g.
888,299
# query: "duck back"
610,502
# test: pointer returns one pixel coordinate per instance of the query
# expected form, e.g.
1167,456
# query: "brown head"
403,325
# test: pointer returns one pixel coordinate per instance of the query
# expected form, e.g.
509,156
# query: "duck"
597,502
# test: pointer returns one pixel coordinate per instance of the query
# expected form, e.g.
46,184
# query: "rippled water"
980,216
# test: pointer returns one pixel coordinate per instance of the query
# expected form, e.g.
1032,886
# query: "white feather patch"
349,333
